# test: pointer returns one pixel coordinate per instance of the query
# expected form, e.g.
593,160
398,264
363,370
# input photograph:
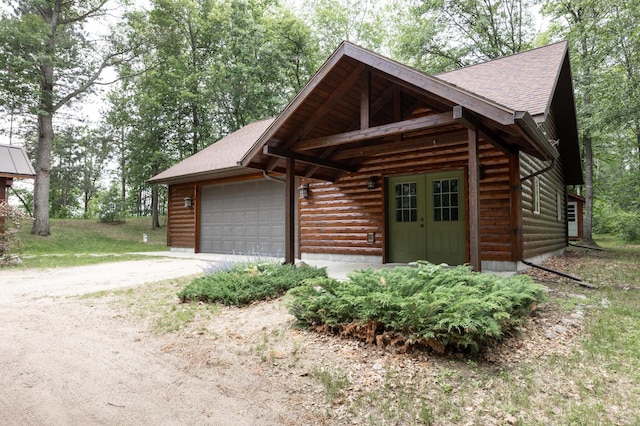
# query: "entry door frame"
388,215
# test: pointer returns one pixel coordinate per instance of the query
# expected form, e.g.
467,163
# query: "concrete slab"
337,270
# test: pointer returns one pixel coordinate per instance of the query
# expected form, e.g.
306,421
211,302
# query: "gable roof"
343,73
217,160
509,97
524,81
14,163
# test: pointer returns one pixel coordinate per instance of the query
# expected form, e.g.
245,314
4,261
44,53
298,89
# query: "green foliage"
245,283
628,226
611,219
424,305
440,35
110,209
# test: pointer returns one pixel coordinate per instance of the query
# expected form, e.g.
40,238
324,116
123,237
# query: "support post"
3,189
474,201
290,211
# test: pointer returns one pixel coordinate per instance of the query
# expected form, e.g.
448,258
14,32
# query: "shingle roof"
523,82
219,159
15,163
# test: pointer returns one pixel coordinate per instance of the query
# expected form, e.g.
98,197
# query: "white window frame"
535,195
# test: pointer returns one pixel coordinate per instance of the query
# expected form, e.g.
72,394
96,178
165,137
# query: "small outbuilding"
374,161
14,164
575,206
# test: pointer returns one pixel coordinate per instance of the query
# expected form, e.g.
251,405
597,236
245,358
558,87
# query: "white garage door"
243,218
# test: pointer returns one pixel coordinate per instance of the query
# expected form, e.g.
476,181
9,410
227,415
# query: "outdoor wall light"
372,182
304,190
188,202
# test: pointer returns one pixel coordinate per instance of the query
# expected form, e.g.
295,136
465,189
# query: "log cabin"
374,161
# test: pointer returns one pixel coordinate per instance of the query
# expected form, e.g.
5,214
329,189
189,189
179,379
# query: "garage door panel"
243,218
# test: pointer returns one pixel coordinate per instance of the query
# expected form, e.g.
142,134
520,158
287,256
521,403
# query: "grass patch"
157,304
426,306
244,283
335,382
86,241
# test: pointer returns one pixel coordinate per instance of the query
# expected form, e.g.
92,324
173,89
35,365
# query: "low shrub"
428,306
10,244
244,283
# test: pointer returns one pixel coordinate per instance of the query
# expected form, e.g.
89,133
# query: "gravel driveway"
69,361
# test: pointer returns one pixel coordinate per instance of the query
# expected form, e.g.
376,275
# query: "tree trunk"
587,223
46,109
123,173
155,219
42,181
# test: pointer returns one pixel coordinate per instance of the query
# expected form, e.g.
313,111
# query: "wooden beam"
323,109
385,148
365,96
308,159
290,211
474,201
430,86
391,129
465,118
375,108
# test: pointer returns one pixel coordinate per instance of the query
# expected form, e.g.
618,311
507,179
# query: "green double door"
426,218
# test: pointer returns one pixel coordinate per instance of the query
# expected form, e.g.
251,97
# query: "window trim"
535,195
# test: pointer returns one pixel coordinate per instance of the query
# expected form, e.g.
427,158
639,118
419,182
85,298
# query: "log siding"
181,220
337,217
543,232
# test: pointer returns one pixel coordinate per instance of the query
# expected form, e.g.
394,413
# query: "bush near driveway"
428,306
244,283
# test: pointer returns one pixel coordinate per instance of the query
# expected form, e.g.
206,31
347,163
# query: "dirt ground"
66,360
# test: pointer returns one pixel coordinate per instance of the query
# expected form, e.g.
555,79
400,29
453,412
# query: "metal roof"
14,163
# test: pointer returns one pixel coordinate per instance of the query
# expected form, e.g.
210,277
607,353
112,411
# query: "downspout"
539,139
539,172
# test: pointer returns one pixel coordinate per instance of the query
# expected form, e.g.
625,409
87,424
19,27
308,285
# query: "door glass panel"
406,202
445,200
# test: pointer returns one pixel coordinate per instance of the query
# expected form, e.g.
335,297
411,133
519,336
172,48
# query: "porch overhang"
361,106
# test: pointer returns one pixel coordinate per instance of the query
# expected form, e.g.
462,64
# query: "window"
536,195
406,202
445,200
559,205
